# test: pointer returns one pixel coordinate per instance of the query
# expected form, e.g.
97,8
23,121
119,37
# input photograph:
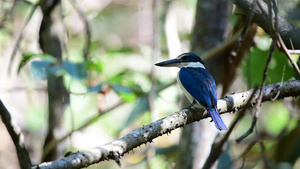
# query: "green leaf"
118,78
28,56
76,70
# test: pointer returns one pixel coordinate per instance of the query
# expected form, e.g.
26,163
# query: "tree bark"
287,31
17,137
114,150
58,97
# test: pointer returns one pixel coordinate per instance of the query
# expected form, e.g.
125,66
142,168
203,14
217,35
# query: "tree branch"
286,30
17,137
151,131
20,37
86,49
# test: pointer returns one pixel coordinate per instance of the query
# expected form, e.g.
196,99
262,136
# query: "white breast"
186,93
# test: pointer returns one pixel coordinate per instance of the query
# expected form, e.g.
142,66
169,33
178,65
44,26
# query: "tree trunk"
209,30
57,95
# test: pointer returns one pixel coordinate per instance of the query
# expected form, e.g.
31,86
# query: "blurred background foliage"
117,89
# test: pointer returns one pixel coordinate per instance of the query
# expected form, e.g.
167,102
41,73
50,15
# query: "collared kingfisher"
197,84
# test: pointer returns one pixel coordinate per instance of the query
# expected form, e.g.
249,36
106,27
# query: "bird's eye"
184,58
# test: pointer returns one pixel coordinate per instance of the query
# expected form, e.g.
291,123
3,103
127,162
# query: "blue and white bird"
197,84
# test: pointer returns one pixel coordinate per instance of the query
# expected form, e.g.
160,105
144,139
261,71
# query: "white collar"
193,65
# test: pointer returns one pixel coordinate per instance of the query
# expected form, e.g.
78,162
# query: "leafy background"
120,75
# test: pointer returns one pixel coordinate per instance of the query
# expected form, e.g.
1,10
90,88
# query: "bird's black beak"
169,63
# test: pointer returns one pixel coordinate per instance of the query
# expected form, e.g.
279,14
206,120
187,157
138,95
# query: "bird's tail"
217,119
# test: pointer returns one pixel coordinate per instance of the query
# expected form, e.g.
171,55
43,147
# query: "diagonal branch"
286,51
17,137
94,118
86,50
20,37
117,148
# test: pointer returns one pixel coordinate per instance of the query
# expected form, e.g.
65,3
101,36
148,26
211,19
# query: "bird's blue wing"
200,84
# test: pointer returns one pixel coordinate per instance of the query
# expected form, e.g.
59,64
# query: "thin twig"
282,77
86,49
249,131
156,53
272,48
20,37
217,147
243,33
297,52
242,155
293,49
256,114
275,8
273,33
210,54
272,26
295,66
263,152
91,120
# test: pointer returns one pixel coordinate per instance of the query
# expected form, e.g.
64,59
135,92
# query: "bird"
197,84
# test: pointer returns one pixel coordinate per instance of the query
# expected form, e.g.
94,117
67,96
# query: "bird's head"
183,60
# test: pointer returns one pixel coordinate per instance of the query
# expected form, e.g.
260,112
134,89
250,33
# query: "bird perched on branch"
197,84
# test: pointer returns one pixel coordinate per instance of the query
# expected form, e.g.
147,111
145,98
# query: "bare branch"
259,99
17,137
20,37
286,30
286,51
273,31
297,52
94,118
166,125
82,16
